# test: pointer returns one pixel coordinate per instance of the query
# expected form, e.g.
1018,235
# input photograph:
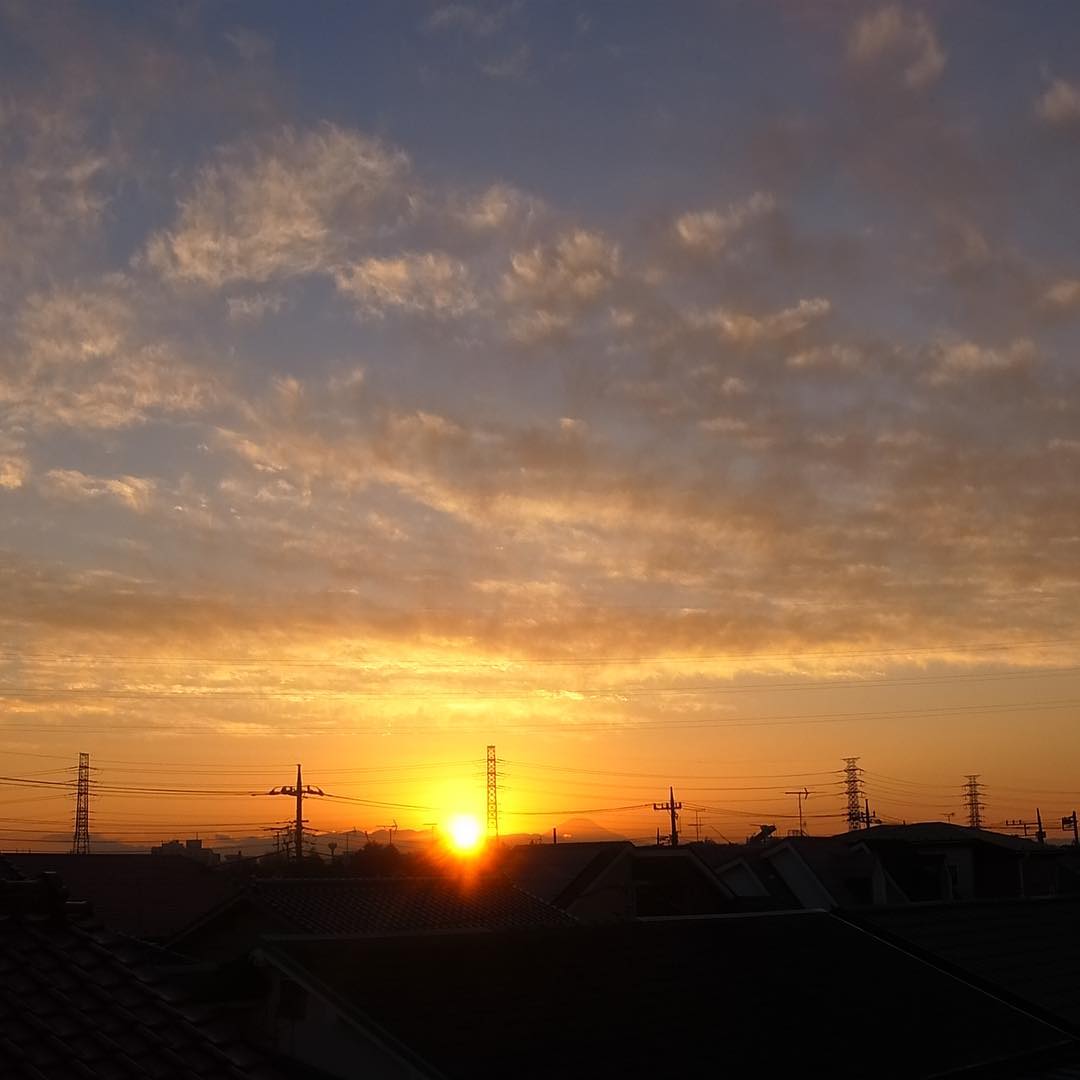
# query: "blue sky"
689,344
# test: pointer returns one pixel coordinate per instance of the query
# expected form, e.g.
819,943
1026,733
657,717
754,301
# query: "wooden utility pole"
672,807
298,792
800,795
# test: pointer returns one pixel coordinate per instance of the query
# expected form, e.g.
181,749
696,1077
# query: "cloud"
294,205
1059,105
253,308
468,17
836,356
898,37
549,286
495,208
1063,295
713,230
514,65
14,469
78,358
431,283
55,184
249,44
745,329
966,359
134,492
576,268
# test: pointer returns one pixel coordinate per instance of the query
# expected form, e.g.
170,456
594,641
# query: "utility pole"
298,792
492,794
854,789
80,843
973,797
672,807
800,795
1040,832
1072,823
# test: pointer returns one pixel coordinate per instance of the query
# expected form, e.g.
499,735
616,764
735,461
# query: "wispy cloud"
430,283
714,230
897,36
133,492
1059,104
292,206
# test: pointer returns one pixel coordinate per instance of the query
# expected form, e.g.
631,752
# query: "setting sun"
464,833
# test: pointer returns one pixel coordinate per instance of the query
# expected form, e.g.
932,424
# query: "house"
76,1001
891,865
942,861
803,872
349,907
191,849
616,880
799,993
149,897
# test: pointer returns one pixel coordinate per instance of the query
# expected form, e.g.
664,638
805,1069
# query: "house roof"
559,873
942,832
1029,948
629,998
718,857
74,1002
148,896
374,906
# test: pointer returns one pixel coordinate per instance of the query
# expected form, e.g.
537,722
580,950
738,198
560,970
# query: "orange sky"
687,396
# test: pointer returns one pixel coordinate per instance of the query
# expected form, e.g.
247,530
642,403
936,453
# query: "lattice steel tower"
80,844
492,794
854,789
973,797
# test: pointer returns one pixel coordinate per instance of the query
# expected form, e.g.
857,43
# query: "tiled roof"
761,995
72,1006
329,906
147,896
1029,948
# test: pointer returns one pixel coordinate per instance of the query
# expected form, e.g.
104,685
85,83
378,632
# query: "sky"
664,394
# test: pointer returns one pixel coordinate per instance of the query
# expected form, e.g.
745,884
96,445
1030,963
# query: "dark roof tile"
379,906
70,1007
1028,947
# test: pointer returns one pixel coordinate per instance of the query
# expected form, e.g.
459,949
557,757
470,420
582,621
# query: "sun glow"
463,831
